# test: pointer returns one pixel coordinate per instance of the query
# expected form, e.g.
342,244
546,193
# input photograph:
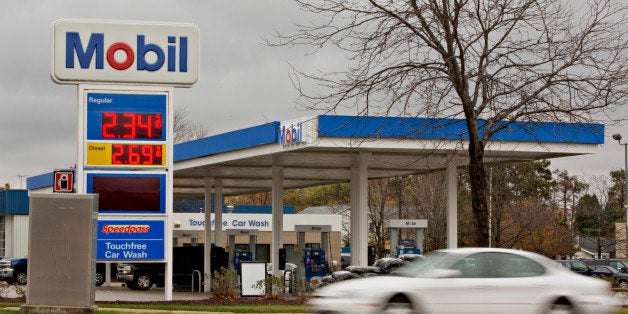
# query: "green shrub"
224,283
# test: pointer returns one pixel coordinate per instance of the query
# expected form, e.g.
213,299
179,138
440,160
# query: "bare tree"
382,194
186,129
490,62
427,200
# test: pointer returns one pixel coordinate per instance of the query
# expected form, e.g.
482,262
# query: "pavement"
118,292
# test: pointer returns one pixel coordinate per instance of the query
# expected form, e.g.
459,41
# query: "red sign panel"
63,181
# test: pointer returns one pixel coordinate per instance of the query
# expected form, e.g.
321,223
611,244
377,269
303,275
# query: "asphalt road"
119,293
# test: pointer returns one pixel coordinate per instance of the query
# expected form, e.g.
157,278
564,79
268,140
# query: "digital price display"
128,193
125,154
132,125
126,116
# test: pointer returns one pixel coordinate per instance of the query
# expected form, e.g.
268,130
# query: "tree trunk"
477,178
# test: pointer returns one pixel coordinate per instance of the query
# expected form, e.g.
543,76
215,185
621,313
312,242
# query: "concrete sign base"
61,246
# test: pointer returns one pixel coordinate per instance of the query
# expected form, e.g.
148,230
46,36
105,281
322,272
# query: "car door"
495,283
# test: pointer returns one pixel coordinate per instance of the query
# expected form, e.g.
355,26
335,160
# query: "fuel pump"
236,257
313,261
395,224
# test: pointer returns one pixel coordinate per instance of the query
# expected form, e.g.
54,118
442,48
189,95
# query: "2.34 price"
137,154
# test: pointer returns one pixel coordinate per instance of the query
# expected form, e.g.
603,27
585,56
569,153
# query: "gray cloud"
242,82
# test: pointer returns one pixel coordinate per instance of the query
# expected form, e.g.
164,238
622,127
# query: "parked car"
188,263
619,264
618,278
14,270
499,281
577,266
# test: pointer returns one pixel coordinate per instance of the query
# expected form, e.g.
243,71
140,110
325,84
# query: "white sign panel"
406,223
261,222
125,52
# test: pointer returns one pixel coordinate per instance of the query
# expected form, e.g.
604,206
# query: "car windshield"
434,260
613,270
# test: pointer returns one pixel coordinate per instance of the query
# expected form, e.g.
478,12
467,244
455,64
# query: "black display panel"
128,193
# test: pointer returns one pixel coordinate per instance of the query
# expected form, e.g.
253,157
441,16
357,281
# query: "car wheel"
100,279
143,281
20,278
399,304
130,285
623,284
561,306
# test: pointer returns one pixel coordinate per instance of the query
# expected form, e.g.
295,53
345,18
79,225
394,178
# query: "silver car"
470,280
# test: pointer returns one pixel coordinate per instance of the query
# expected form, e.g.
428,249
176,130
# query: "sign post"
125,126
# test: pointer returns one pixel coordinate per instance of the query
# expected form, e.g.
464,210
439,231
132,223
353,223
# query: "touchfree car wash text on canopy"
125,52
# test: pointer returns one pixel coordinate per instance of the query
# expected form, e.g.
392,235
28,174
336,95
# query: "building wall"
620,240
16,235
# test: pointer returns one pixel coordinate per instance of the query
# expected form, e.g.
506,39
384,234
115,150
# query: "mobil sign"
86,51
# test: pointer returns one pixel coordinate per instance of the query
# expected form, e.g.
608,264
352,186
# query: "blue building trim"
456,129
40,181
230,141
14,202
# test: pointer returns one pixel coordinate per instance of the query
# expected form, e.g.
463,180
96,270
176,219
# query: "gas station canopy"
321,150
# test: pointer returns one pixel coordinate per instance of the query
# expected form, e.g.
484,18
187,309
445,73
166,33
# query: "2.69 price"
136,154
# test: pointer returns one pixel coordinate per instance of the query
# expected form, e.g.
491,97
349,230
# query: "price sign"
126,116
132,125
125,154
126,129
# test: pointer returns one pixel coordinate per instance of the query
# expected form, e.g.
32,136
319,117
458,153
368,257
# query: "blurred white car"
470,280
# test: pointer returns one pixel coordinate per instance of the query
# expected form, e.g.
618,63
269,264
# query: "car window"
579,266
497,265
602,270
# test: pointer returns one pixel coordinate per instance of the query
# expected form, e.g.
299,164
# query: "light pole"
617,137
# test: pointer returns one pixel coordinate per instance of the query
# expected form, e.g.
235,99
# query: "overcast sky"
242,82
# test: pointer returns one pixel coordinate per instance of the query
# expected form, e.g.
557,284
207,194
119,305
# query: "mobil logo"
125,52
290,133
135,53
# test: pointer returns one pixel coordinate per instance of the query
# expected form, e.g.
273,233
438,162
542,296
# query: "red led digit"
117,152
131,126
147,126
158,122
147,151
134,154
109,121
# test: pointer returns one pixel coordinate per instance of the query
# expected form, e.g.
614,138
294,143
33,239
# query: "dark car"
577,266
14,270
187,268
619,264
618,278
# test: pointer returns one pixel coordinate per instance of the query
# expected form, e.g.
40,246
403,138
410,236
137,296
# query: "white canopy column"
218,212
208,232
359,210
452,205
277,208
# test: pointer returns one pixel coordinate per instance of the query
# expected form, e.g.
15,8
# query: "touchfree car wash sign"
130,240
125,52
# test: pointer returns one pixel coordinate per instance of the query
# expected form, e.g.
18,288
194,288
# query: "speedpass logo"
136,54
